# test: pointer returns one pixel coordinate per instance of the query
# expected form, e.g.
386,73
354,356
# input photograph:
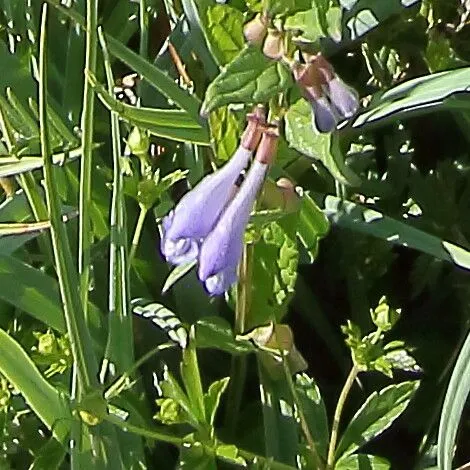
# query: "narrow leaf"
452,409
49,405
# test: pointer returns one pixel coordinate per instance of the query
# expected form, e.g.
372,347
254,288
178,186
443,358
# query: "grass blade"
454,402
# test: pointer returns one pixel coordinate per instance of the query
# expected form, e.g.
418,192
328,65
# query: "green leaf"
371,222
10,166
365,15
276,257
194,457
192,380
216,333
307,23
224,32
168,123
170,388
176,274
50,406
36,294
314,410
452,409
249,78
213,396
230,454
312,226
158,79
302,136
417,96
225,129
362,462
50,456
334,17
377,414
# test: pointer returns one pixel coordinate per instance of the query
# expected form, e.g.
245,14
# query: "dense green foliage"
344,343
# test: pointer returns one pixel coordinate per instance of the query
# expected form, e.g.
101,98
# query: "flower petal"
197,212
221,282
324,117
222,248
343,97
180,251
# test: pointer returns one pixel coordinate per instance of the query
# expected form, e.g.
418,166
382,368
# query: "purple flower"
221,250
324,117
343,98
198,211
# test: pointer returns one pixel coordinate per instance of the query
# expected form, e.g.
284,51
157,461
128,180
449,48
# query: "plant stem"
144,29
84,225
80,338
303,422
337,417
239,365
137,233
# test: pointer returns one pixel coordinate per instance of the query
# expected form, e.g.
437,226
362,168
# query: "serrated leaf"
216,333
224,32
177,273
213,396
276,257
362,462
301,135
314,411
225,130
377,414
249,78
401,359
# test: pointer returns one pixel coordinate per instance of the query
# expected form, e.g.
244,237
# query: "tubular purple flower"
198,211
221,250
324,117
343,97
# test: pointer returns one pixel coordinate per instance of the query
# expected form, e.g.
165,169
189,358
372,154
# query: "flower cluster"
331,99
209,222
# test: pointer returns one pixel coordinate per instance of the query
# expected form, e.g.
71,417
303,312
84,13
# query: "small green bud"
138,142
383,316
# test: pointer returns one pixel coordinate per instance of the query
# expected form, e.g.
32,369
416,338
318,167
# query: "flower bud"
273,47
256,29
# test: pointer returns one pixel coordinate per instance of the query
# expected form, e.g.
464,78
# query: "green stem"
144,29
80,339
239,364
137,233
84,225
303,421
337,417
